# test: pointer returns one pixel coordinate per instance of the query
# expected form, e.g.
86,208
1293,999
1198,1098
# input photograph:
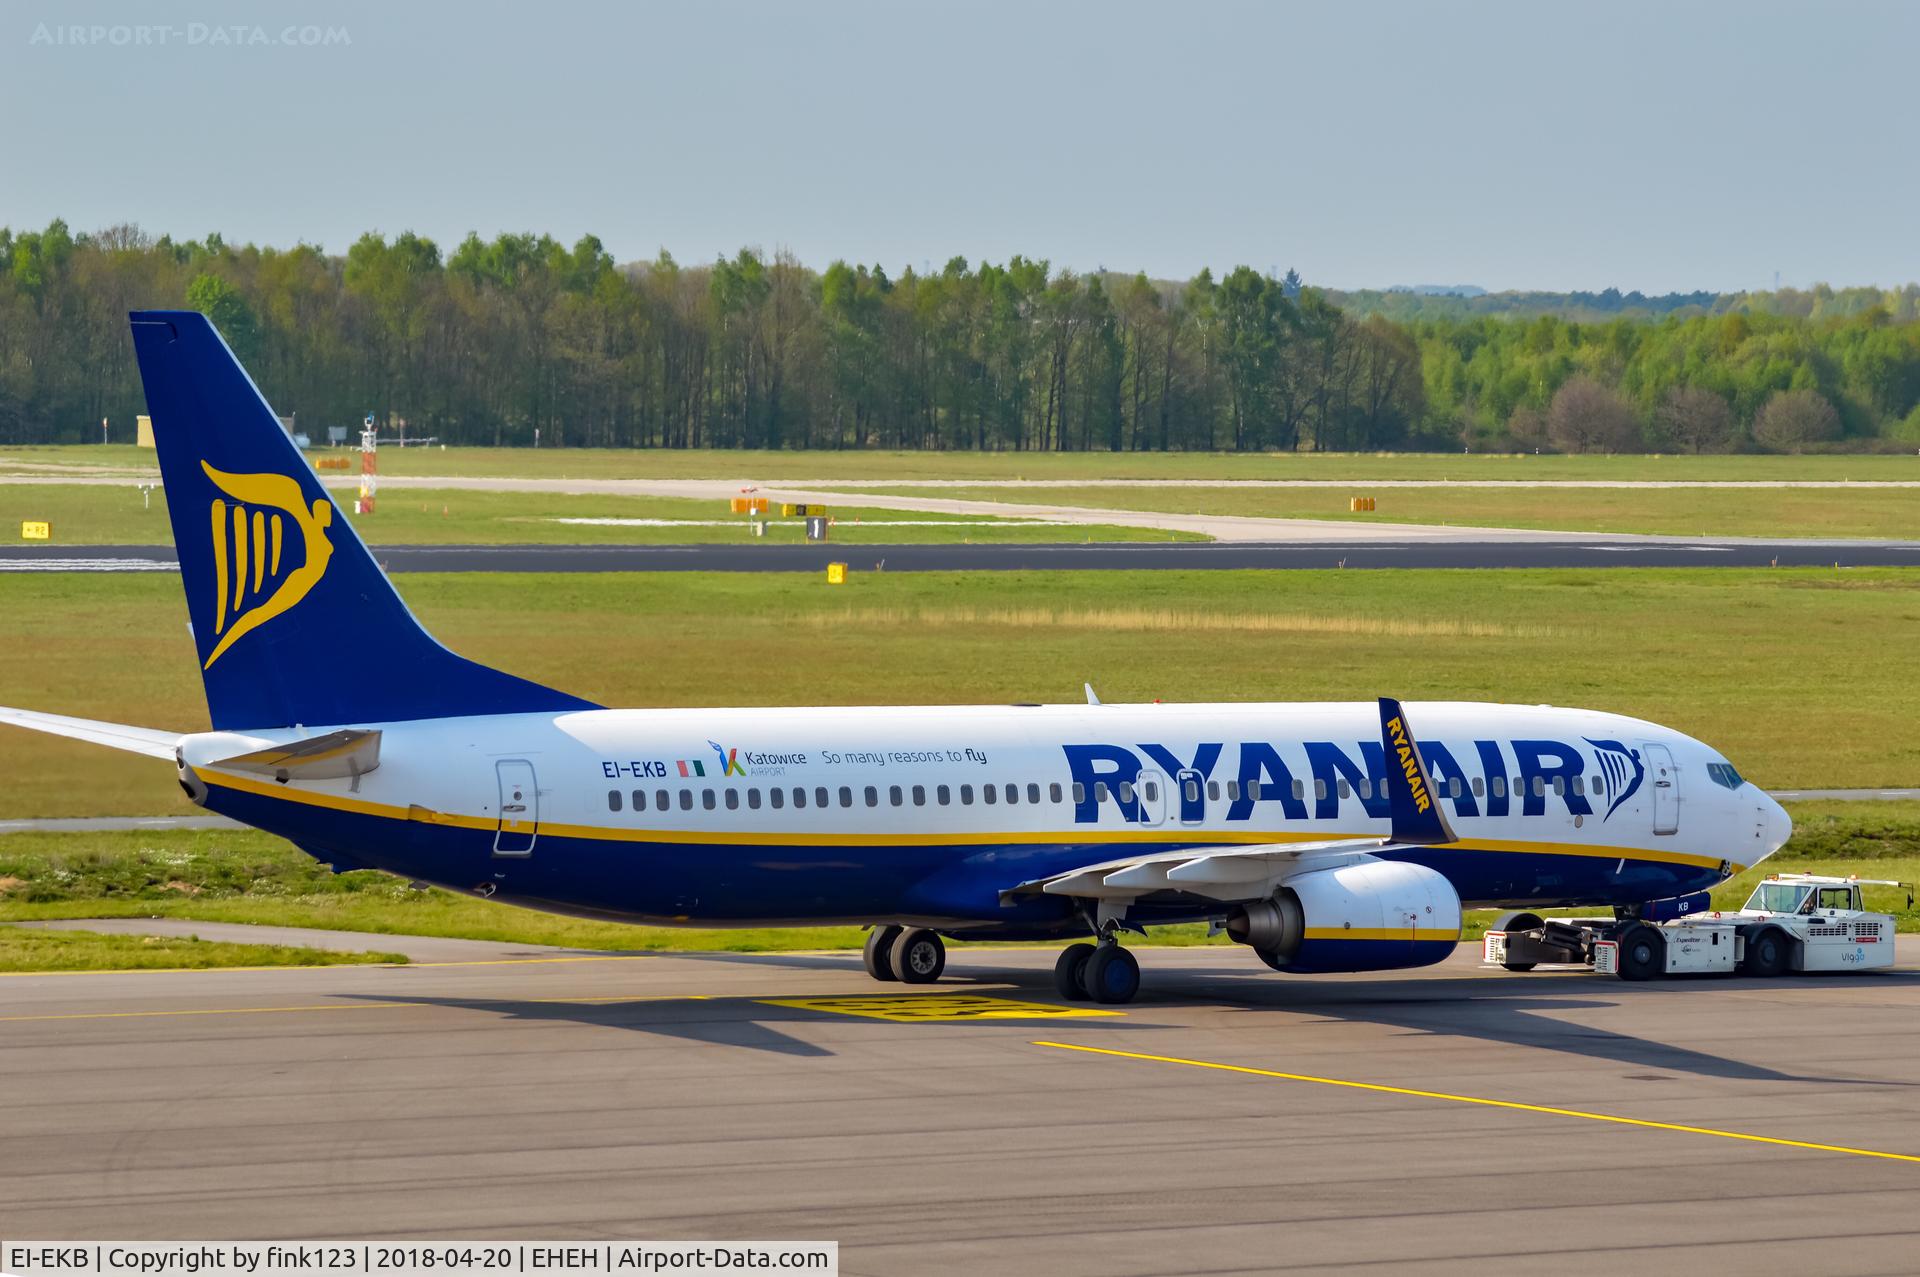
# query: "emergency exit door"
519,808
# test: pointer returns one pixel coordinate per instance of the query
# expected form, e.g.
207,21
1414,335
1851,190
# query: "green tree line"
499,339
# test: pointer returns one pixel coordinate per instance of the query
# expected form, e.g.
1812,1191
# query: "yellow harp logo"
248,537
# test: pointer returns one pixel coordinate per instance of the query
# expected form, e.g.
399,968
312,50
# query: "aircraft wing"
1226,874
1252,872
135,740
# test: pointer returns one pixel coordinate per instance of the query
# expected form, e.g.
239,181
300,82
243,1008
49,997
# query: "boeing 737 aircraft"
1327,837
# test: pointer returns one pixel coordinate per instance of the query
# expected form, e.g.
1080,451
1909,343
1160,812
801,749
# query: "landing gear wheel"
1643,955
1766,954
918,956
1112,975
1519,922
877,954
1069,972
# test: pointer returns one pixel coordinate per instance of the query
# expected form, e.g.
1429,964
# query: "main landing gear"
1097,973
911,955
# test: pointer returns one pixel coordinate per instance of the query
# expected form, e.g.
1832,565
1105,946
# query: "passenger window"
1539,787
1013,794
1319,788
989,795
733,800
799,797
820,797
1366,788
1559,786
1126,791
1213,791
1054,789
1233,791
707,799
753,798
846,796
639,800
919,795
1099,791
613,800
1499,784
1454,788
942,795
686,800
1479,787
777,797
1345,790
1079,792
1253,789
1579,784
966,795
1033,792
893,795
662,800
1190,792
1299,789
873,796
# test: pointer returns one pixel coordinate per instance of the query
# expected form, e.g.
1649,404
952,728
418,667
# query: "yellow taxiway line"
1482,1101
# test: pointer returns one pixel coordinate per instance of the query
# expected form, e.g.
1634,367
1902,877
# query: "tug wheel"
1766,953
1643,954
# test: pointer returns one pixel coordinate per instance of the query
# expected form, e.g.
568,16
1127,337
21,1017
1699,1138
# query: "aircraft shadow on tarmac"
1513,1012
745,1022
1519,1012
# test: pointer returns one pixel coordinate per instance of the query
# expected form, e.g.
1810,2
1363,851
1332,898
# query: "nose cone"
1775,825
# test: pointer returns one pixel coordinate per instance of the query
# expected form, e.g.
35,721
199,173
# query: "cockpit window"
1723,774
1778,897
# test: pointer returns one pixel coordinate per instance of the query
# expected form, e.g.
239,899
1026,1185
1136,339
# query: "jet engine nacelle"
1370,916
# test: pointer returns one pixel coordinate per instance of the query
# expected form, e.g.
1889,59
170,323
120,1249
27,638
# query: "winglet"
1415,803
1091,698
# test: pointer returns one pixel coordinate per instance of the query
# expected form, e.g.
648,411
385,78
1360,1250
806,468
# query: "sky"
1688,144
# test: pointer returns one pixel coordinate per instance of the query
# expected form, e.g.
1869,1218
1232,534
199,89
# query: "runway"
1076,557
1453,1120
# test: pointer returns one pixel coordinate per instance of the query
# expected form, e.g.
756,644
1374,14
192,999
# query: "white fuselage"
732,807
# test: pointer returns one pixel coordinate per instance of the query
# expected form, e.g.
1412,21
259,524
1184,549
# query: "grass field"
1804,678
613,463
113,515
253,878
1744,512
26,950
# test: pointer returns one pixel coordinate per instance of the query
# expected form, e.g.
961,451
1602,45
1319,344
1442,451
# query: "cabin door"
1666,788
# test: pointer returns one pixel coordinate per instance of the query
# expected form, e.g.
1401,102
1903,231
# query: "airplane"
1327,837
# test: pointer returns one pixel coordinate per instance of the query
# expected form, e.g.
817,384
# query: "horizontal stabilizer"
334,756
135,740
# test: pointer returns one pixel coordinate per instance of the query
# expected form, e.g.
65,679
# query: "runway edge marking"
1484,1102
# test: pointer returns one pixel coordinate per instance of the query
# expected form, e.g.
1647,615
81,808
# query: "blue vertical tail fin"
294,621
